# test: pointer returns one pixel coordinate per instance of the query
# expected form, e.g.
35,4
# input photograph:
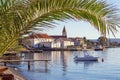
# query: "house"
36,40
65,42
51,44
78,41
62,39
46,41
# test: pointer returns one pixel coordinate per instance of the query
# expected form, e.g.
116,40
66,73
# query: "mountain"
114,40
110,40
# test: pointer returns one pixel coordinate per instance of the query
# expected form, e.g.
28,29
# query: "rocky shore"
14,72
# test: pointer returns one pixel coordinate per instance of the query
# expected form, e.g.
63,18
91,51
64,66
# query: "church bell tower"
64,33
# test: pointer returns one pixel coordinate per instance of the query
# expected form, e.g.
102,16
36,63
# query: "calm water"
63,67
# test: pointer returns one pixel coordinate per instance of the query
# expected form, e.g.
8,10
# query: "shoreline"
17,75
53,49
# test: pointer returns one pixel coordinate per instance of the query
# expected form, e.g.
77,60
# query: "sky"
81,28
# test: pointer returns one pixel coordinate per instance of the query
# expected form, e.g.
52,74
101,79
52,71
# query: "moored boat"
86,57
98,49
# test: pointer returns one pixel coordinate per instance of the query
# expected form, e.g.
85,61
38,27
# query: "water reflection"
63,67
86,64
37,66
59,59
64,62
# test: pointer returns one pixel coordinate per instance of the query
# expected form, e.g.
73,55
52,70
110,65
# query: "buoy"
102,60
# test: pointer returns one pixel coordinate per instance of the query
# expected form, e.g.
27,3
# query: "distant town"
58,42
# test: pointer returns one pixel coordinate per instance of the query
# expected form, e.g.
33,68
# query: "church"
50,41
64,41
64,34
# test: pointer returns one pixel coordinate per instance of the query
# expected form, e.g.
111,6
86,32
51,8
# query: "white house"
51,44
78,41
65,42
54,41
37,39
55,45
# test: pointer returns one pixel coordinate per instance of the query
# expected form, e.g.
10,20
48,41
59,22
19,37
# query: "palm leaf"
18,17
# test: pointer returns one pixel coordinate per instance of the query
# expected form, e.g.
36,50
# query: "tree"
85,40
19,17
103,41
89,43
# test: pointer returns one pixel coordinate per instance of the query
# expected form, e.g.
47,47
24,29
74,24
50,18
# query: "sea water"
63,67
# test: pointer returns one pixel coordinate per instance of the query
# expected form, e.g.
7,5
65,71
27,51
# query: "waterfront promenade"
52,49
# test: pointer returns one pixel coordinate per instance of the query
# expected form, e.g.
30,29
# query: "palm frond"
18,17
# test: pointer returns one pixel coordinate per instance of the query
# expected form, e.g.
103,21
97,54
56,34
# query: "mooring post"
46,65
28,65
5,63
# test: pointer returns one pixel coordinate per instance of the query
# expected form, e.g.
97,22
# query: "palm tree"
103,41
19,17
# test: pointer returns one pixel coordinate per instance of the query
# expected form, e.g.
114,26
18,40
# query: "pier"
27,60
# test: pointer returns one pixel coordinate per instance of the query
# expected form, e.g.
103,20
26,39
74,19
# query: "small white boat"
86,57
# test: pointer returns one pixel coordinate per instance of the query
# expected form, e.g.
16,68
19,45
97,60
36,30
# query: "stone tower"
64,33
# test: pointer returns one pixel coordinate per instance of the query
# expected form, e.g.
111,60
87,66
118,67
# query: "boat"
98,48
9,54
86,57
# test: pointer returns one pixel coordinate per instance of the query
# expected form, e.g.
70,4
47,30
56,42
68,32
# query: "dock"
26,60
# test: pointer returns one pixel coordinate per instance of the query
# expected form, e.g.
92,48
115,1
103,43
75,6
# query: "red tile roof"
56,37
40,36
